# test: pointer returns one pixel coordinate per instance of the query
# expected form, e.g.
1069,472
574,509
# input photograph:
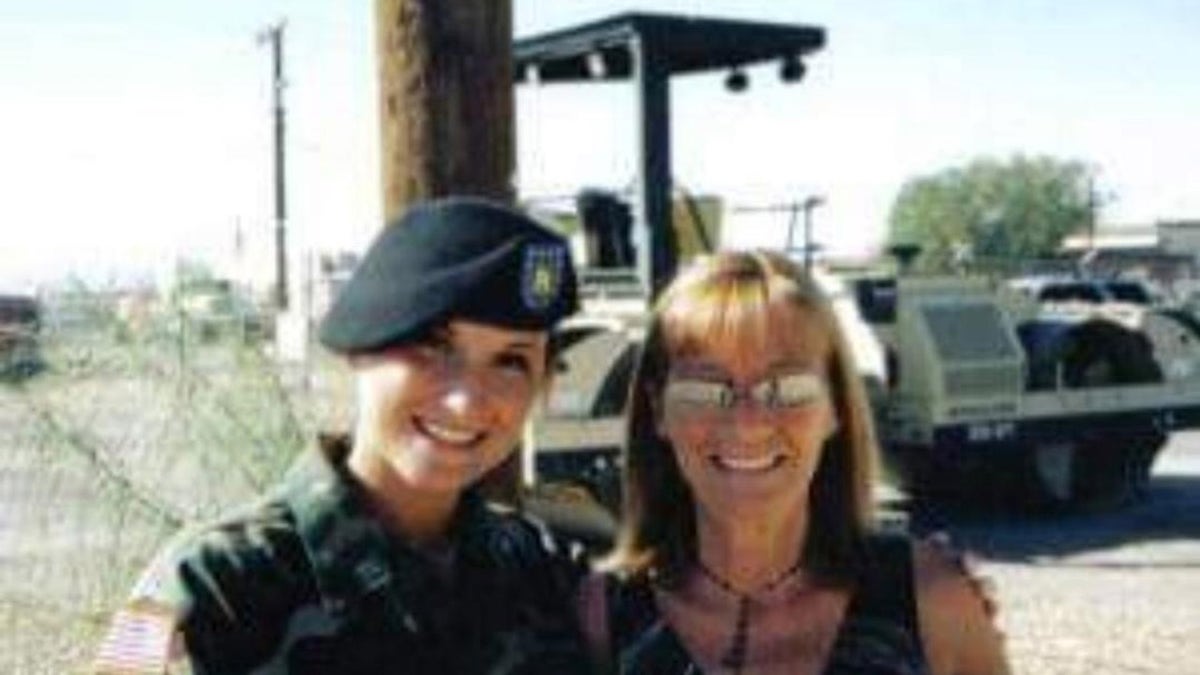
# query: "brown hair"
746,297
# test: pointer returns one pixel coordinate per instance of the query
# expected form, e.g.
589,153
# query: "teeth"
746,463
448,435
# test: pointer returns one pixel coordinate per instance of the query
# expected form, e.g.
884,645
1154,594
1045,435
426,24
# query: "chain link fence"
130,431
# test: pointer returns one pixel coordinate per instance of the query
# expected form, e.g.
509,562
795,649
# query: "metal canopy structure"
685,44
649,49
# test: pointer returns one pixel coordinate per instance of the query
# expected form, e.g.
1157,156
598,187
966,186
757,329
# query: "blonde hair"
739,301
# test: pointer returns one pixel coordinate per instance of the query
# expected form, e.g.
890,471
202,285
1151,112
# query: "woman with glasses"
747,544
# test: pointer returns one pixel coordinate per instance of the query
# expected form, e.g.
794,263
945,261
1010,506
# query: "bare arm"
956,614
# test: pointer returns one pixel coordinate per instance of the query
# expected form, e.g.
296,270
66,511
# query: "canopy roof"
685,44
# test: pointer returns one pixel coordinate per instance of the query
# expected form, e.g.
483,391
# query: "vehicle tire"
1051,470
1101,353
1117,472
1103,469
935,478
1143,464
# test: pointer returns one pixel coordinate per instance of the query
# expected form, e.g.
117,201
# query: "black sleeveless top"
879,634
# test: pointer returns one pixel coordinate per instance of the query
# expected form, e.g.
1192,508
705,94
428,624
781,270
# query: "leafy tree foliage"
992,212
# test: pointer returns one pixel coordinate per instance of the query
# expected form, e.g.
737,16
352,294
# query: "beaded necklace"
739,643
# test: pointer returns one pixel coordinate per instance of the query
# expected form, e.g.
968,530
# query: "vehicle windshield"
1071,293
1128,291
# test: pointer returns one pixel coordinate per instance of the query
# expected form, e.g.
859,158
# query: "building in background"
1166,252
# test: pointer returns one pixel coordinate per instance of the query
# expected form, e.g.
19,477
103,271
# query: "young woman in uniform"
377,554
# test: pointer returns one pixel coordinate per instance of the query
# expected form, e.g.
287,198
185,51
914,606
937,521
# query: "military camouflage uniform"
309,582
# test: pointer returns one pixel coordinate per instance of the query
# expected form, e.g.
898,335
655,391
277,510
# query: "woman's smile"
747,464
448,434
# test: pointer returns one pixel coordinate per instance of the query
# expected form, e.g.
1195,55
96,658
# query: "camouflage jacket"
309,582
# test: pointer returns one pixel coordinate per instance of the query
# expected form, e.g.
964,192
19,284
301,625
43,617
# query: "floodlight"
596,66
791,69
736,81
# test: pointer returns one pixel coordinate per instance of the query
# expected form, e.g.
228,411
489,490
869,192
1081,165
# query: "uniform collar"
352,556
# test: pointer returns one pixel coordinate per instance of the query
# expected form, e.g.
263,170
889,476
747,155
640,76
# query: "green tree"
995,213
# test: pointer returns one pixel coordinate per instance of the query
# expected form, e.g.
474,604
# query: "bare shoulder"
947,578
957,610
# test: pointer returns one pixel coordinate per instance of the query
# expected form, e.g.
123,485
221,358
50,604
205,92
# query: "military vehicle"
988,397
979,391
20,323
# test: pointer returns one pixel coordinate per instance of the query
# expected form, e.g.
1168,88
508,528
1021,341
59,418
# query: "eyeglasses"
787,391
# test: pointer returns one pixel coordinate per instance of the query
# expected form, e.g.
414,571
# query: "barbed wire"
126,432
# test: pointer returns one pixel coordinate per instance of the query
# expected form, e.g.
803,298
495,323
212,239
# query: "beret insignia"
541,275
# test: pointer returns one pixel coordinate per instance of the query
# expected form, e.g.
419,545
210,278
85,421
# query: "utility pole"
445,99
446,116
273,34
1095,200
1092,205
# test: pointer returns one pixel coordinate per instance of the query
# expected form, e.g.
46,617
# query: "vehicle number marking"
988,432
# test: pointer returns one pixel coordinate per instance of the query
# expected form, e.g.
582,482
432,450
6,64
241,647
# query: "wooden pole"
446,116
445,99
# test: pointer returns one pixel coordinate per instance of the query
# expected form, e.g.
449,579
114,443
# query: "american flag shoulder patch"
142,640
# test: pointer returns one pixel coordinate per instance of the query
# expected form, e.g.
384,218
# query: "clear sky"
132,131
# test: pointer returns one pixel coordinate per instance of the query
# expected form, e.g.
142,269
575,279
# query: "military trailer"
987,398
979,391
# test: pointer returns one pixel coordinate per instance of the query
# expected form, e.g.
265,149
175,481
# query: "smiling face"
438,413
788,437
748,416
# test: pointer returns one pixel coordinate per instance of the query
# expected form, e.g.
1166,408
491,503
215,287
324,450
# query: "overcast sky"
134,130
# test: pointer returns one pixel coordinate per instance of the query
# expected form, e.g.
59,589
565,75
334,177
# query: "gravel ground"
1106,594
46,640
1080,619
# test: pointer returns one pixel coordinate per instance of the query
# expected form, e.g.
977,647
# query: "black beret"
458,257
